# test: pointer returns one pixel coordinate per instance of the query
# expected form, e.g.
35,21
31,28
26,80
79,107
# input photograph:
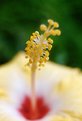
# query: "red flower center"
39,112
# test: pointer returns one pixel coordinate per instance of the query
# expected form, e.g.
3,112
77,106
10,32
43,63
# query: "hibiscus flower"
60,87
50,94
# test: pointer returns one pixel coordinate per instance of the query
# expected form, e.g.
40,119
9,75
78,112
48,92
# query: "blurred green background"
19,18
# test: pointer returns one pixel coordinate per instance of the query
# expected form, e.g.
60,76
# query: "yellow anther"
32,37
58,32
44,46
52,32
46,59
33,33
51,22
41,60
37,46
50,40
36,33
32,44
49,47
43,27
46,53
27,50
28,42
56,25
40,52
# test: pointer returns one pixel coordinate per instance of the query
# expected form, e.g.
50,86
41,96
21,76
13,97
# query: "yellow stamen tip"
49,47
43,27
58,32
50,21
56,25
50,40
36,33
52,32
46,53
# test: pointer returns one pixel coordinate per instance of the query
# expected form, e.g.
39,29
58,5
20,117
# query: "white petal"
7,113
60,86
14,82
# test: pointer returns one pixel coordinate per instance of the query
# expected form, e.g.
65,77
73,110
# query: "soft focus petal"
7,113
60,86
13,81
